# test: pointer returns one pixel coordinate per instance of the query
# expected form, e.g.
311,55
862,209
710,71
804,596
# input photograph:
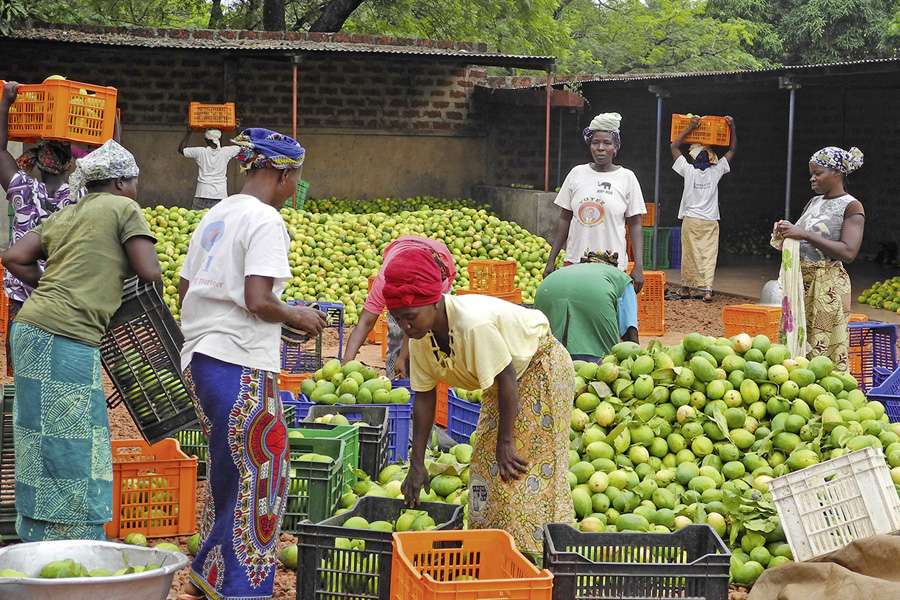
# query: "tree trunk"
252,14
273,15
334,14
215,14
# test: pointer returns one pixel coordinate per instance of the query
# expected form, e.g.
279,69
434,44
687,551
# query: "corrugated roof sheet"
661,77
278,43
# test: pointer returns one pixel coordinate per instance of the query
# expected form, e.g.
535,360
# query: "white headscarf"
109,161
214,135
606,122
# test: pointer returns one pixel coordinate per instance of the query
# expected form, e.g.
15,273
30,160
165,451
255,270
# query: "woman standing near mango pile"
235,271
519,463
830,231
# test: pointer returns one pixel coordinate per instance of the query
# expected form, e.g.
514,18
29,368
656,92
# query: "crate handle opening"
447,544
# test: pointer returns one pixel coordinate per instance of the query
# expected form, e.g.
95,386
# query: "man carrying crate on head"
699,209
212,162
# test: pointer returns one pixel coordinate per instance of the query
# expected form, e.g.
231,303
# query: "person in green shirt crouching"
63,456
587,306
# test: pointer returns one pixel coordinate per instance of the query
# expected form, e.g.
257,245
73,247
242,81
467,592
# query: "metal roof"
280,43
872,64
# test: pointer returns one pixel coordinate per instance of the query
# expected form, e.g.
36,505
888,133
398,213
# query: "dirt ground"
682,317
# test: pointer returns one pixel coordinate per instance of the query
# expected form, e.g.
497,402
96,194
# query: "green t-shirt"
581,303
87,265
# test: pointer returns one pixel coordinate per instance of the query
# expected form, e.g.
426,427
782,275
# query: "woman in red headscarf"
517,479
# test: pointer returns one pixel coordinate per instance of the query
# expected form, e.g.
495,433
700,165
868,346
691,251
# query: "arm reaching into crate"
22,259
262,302
423,421
358,336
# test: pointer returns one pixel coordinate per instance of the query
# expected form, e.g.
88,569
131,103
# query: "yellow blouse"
486,335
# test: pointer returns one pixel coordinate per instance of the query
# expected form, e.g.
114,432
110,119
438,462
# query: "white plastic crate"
826,506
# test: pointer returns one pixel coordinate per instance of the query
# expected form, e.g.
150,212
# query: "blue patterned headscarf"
838,159
264,148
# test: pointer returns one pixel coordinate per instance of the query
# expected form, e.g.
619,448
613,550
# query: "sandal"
708,297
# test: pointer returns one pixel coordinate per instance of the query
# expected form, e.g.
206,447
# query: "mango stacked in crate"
333,254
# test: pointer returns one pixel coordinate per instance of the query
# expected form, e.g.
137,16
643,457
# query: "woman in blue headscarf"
235,271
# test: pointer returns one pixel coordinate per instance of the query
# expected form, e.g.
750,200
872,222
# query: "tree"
273,15
146,13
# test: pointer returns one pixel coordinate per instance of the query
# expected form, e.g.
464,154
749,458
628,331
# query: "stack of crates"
663,243
493,278
652,304
872,345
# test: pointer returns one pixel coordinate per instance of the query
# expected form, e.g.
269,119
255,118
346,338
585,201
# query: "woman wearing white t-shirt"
699,210
234,273
597,201
212,167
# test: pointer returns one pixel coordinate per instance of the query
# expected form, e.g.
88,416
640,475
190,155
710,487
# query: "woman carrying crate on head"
235,271
699,209
212,164
63,457
397,363
830,232
519,465
584,304
33,198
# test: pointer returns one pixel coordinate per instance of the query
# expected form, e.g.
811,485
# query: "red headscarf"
414,278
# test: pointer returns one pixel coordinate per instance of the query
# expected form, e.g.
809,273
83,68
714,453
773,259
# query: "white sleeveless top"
826,216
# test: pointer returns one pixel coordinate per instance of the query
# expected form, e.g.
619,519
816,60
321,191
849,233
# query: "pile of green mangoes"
352,383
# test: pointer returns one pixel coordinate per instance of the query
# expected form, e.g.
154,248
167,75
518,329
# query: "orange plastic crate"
652,304
425,564
857,318
379,330
440,409
154,489
753,319
212,116
63,110
713,130
291,382
649,217
514,296
492,275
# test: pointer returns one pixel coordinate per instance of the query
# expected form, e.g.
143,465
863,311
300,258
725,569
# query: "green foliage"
146,13
11,11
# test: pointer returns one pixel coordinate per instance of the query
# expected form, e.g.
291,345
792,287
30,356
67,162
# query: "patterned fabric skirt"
61,434
247,477
827,286
541,433
699,252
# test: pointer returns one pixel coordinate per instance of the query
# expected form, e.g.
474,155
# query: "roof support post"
547,131
787,82
660,93
295,67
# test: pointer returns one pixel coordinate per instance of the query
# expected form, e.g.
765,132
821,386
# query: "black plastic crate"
193,442
306,356
689,564
141,353
7,467
373,433
327,573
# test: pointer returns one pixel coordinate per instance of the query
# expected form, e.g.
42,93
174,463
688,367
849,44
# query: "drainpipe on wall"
788,83
660,93
294,97
547,132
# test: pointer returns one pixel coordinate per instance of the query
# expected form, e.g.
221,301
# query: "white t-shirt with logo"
700,198
212,163
240,236
600,203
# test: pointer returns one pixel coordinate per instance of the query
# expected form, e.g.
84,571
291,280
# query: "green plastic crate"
349,434
315,488
662,245
298,200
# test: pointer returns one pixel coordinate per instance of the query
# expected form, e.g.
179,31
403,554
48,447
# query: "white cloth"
700,198
793,305
600,203
214,135
606,122
240,236
213,169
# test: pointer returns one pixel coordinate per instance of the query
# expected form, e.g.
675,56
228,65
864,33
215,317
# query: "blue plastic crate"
675,248
888,393
462,417
399,422
872,345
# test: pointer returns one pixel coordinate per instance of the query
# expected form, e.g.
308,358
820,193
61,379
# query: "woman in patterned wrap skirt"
234,273
517,477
